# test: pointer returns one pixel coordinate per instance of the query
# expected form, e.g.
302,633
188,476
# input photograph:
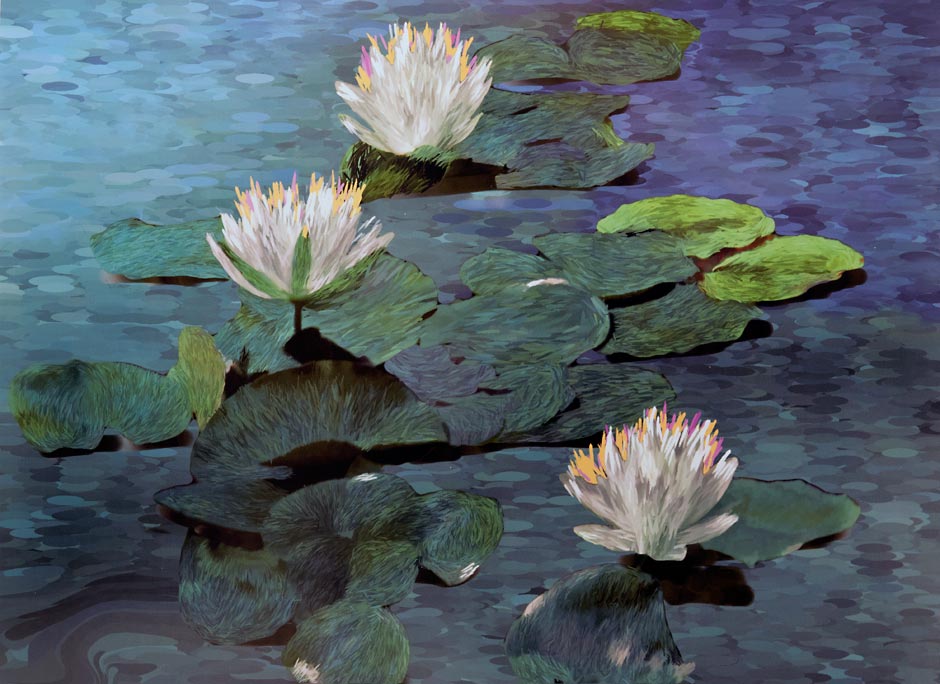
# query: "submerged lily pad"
376,319
704,225
684,319
605,624
777,518
230,595
607,394
136,249
678,31
551,324
71,405
301,413
349,642
780,268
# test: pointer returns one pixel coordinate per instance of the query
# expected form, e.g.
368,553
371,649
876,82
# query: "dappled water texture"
823,114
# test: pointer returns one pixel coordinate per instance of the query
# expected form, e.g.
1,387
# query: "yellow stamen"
428,34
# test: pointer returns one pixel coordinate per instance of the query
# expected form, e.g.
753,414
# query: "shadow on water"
697,578
849,279
115,443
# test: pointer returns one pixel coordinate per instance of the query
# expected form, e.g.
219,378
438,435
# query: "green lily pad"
550,324
682,320
605,624
678,31
240,505
376,319
704,225
301,414
777,518
230,595
432,374
136,249
498,267
612,265
382,571
607,394
349,642
780,268
537,394
472,420
71,405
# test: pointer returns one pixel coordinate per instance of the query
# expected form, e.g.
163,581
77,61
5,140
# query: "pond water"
823,114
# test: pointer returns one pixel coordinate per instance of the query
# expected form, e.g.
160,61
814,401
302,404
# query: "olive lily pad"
230,595
704,225
777,518
681,320
780,268
376,319
71,405
607,394
678,31
605,624
349,642
136,249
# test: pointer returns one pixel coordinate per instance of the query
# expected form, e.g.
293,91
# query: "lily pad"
71,405
551,324
300,415
612,265
136,249
230,595
678,31
498,267
704,225
537,394
777,518
382,571
432,374
377,319
605,624
349,642
780,268
241,505
472,420
684,319
607,394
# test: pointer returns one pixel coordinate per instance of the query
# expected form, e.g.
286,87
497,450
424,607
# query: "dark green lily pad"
136,249
71,405
780,268
605,624
684,319
349,642
301,413
230,595
612,265
677,31
376,319
498,267
537,394
386,174
432,374
550,324
777,518
472,420
382,571
704,225
241,505
607,394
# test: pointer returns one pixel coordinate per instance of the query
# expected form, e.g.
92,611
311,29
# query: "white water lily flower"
417,89
654,483
285,246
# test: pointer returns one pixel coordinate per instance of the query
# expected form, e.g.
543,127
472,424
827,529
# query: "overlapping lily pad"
299,415
550,324
777,518
136,249
71,405
780,268
536,395
678,31
605,624
704,225
233,504
682,320
498,267
377,319
230,595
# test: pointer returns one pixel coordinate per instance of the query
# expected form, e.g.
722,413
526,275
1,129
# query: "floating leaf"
385,174
376,319
678,31
472,420
780,268
682,320
550,324
537,393
382,571
232,504
704,225
288,414
71,405
230,595
605,624
777,518
611,265
349,642
607,394
136,249
498,267
432,374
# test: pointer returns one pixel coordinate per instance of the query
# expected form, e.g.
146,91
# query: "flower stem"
298,317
